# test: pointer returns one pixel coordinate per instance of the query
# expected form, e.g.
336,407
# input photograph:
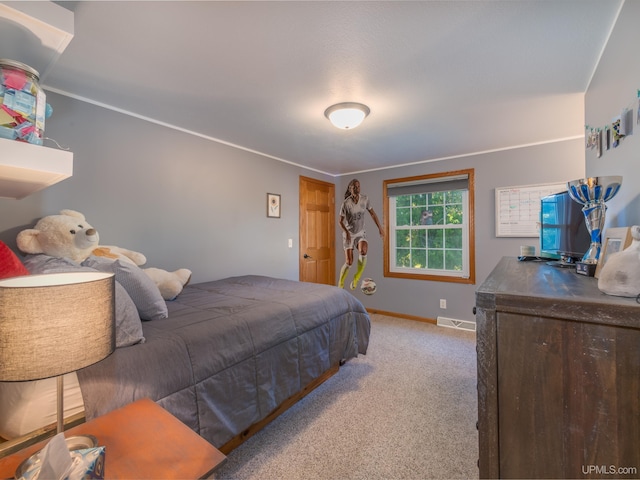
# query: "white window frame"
464,227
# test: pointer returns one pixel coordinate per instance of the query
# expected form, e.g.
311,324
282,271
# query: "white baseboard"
459,324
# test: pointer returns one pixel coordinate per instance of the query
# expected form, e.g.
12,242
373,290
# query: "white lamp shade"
347,115
54,324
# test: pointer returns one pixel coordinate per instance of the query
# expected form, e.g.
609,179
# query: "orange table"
143,441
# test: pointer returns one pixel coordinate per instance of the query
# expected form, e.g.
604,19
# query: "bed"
230,353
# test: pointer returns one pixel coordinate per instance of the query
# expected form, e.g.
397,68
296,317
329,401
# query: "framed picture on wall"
613,240
273,205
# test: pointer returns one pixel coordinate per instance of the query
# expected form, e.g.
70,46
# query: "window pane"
454,196
453,259
436,238
437,217
419,258
436,198
417,215
403,238
403,201
403,257
454,214
453,238
403,216
418,239
436,259
419,200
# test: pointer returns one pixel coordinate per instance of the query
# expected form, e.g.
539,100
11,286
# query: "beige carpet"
406,410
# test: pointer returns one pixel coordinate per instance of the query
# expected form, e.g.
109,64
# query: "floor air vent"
459,324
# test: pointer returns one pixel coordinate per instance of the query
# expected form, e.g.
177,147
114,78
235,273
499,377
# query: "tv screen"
563,234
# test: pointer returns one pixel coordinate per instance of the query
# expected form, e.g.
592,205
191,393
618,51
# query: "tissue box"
87,464
90,464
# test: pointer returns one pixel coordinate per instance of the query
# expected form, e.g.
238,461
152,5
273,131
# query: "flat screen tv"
563,234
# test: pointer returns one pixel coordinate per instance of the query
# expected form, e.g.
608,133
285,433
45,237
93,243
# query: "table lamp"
53,324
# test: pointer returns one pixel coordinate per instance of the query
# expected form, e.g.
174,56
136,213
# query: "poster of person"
352,223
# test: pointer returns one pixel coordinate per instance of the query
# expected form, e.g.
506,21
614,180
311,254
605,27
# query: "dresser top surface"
524,286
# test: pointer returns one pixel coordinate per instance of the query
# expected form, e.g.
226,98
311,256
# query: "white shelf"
26,168
35,33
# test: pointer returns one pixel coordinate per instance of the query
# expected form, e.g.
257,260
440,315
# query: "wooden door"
317,231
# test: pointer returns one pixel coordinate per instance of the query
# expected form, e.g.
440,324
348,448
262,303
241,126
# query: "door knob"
307,256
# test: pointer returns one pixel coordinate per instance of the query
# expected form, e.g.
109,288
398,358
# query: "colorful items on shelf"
23,106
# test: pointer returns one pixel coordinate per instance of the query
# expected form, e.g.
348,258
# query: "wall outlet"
443,303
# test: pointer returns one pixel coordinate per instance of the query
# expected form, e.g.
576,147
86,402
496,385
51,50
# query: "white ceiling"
442,78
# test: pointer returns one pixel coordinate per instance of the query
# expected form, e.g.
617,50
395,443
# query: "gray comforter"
230,352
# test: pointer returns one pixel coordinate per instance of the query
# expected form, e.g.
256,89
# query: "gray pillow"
128,325
41,263
142,290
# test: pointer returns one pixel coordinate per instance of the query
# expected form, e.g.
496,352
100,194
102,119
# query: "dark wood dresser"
558,375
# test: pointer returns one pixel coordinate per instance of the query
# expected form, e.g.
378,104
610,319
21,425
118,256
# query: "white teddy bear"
69,235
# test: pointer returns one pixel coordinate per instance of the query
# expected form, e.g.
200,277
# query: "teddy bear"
620,276
69,235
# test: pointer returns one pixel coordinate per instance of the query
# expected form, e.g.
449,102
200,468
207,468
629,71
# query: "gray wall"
188,202
185,201
550,163
182,200
614,87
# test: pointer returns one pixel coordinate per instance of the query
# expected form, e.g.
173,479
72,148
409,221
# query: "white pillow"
27,406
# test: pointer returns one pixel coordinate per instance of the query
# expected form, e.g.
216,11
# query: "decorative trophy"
593,192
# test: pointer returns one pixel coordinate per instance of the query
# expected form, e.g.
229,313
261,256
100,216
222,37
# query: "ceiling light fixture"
347,115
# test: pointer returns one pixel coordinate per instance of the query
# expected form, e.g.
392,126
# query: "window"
430,229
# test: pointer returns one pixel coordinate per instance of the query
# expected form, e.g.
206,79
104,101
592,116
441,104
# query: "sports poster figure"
352,213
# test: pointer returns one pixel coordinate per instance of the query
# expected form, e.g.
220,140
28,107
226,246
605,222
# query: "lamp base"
76,442
81,442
